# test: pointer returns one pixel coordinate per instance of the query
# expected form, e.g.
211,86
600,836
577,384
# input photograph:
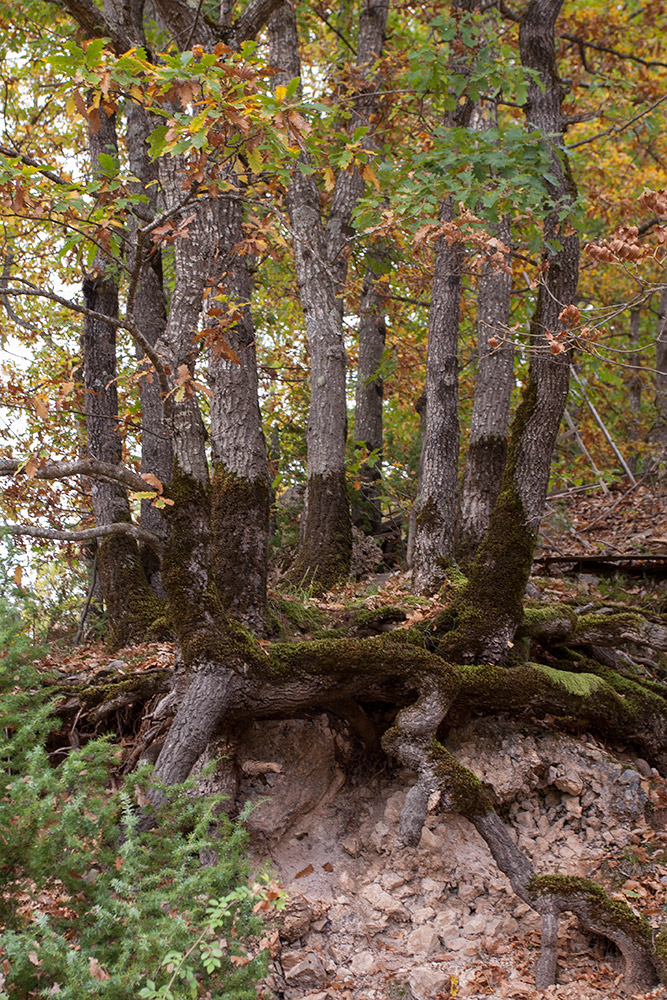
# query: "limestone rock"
423,941
381,900
428,983
309,971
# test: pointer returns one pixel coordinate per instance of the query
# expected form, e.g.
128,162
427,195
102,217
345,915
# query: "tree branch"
91,467
118,528
252,20
121,324
578,40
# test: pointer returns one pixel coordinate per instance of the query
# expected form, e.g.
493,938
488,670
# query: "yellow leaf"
329,179
369,174
18,576
280,93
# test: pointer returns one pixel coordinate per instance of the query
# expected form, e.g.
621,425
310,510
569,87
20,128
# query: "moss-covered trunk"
325,544
491,605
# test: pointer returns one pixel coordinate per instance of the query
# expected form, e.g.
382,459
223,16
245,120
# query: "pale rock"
475,924
364,963
510,926
427,983
467,891
423,941
381,900
316,996
308,972
446,924
570,783
430,841
393,807
381,837
573,806
347,882
392,880
459,944
351,845
432,887
421,914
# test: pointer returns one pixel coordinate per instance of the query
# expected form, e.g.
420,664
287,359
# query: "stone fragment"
351,845
429,841
428,983
570,783
381,900
364,963
294,921
308,972
423,941
392,880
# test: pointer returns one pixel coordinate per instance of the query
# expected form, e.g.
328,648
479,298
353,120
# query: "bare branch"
14,154
578,40
121,324
118,528
91,467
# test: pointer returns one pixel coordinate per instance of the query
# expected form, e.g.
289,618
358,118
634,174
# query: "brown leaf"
96,970
304,871
152,480
31,466
34,958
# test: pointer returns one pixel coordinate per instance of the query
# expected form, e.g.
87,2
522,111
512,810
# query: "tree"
234,133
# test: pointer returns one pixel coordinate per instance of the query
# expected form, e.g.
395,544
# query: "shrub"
85,911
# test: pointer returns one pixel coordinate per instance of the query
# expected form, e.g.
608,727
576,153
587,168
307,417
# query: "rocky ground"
368,919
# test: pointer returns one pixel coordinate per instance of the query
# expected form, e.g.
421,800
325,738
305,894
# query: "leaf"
369,174
152,480
34,958
329,179
18,575
308,870
41,405
31,466
96,970
239,960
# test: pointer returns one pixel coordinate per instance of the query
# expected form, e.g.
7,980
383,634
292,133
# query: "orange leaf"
152,480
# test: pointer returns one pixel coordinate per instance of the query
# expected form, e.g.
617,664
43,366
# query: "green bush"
85,911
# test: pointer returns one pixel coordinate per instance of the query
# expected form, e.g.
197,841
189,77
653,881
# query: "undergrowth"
89,906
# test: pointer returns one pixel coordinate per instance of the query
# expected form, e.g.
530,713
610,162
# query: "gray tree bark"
436,506
491,606
321,268
368,402
659,433
487,449
130,605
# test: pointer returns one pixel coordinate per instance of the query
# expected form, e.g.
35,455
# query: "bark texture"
492,605
321,268
131,606
660,427
487,450
438,485
368,402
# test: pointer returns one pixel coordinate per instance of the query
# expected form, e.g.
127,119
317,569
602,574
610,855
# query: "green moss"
375,618
579,685
326,545
304,617
615,912
464,789
239,537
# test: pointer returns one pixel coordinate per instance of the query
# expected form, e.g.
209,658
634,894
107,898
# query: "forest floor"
369,919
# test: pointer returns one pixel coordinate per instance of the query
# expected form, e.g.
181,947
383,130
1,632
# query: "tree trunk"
367,513
149,314
660,426
487,450
491,606
131,606
321,268
240,500
438,484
